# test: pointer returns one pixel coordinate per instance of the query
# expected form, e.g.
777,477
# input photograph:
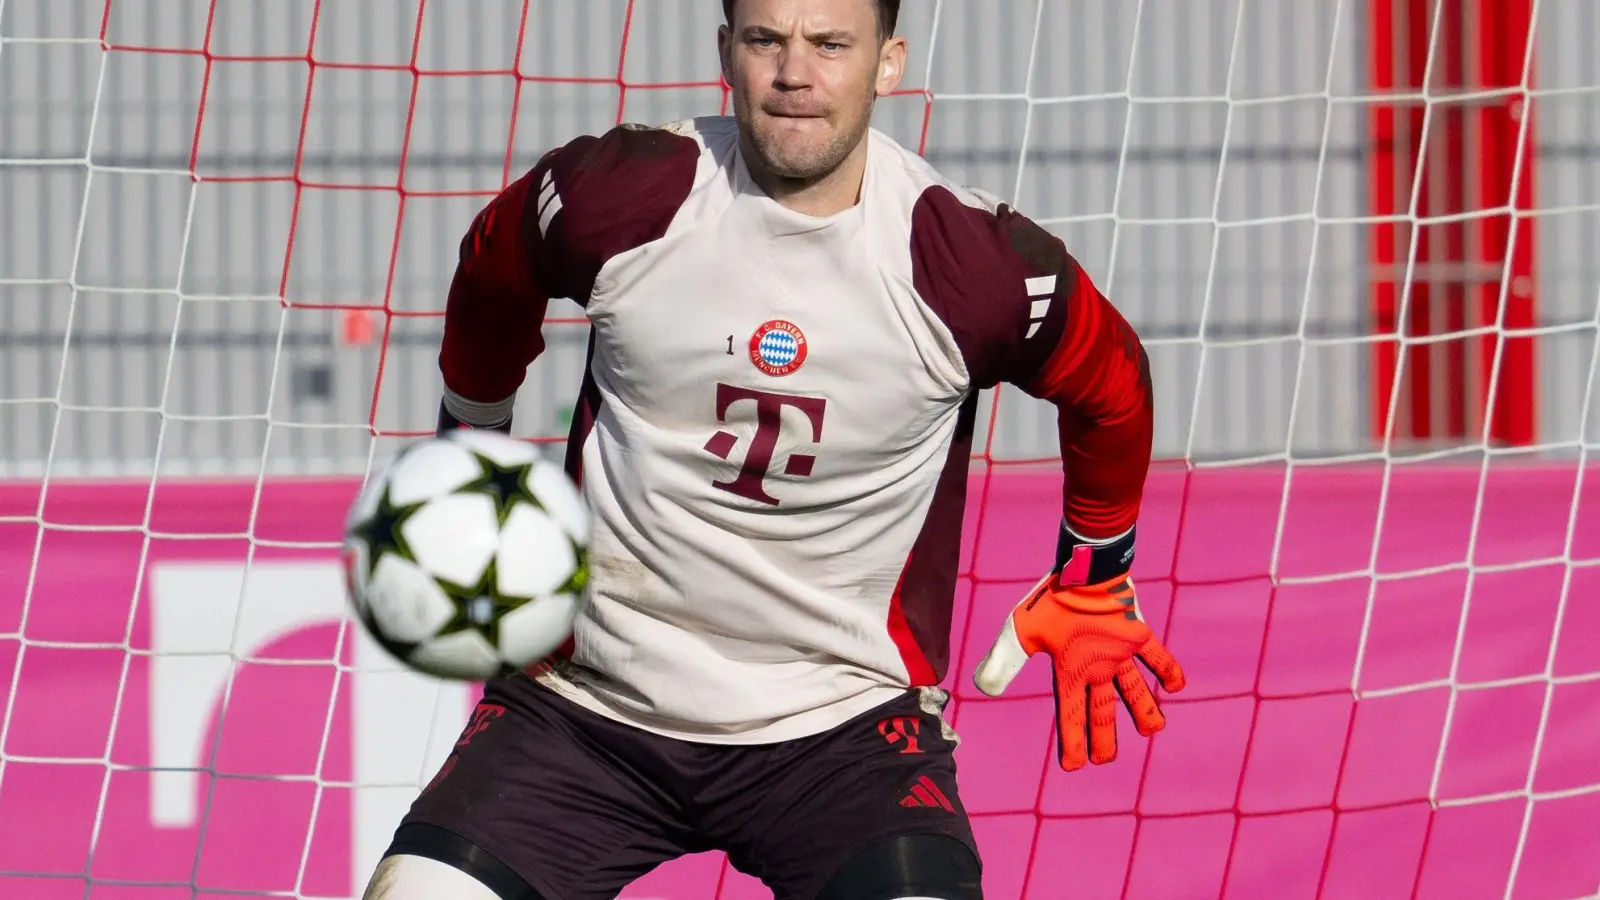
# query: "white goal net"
1357,236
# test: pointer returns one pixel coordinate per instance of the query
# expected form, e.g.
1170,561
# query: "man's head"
805,75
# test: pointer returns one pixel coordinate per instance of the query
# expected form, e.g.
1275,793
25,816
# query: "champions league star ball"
467,557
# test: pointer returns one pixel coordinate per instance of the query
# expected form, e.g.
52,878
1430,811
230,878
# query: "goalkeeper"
791,320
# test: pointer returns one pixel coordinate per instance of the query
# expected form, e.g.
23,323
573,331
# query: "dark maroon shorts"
579,805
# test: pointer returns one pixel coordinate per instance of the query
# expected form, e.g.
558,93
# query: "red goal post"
1453,174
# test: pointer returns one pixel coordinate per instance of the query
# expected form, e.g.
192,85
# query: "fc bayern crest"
778,347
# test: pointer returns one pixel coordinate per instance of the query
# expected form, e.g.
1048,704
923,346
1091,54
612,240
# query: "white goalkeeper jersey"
775,424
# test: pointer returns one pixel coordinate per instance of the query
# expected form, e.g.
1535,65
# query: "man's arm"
494,315
1098,378
1051,332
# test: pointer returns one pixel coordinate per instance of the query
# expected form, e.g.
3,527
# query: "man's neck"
823,196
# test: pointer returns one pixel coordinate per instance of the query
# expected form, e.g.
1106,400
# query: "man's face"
804,75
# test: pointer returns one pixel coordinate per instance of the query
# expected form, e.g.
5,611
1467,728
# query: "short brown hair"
888,16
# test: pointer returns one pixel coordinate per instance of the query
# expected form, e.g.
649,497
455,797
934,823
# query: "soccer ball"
467,557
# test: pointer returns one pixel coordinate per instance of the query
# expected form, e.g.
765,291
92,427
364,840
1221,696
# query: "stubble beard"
804,162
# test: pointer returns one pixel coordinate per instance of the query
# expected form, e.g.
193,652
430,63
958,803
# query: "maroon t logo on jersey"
750,481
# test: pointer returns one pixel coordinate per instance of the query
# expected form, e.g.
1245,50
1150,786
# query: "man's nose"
795,68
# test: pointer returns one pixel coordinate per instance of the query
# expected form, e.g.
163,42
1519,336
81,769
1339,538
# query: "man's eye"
832,47
763,42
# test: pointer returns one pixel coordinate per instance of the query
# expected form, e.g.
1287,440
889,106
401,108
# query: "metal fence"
1205,159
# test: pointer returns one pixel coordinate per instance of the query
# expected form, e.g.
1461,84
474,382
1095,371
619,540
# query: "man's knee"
909,867
429,863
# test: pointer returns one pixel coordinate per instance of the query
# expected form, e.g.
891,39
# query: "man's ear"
724,46
891,66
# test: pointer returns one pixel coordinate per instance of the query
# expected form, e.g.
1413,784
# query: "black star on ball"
478,607
382,533
505,485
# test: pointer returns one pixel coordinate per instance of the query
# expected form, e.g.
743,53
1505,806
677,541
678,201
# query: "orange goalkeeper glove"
1084,616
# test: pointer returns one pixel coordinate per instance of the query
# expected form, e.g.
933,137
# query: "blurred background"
217,218
1358,238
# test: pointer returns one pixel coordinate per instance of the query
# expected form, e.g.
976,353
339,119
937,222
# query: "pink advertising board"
178,726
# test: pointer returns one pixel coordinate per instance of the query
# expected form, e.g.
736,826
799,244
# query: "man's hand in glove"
1085,618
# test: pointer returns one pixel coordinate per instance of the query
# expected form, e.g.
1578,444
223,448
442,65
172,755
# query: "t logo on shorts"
481,717
750,482
901,729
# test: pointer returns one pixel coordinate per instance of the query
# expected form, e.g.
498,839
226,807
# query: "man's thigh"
799,812
571,803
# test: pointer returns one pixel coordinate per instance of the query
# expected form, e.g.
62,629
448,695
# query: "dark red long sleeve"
1023,311
496,307
1099,379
